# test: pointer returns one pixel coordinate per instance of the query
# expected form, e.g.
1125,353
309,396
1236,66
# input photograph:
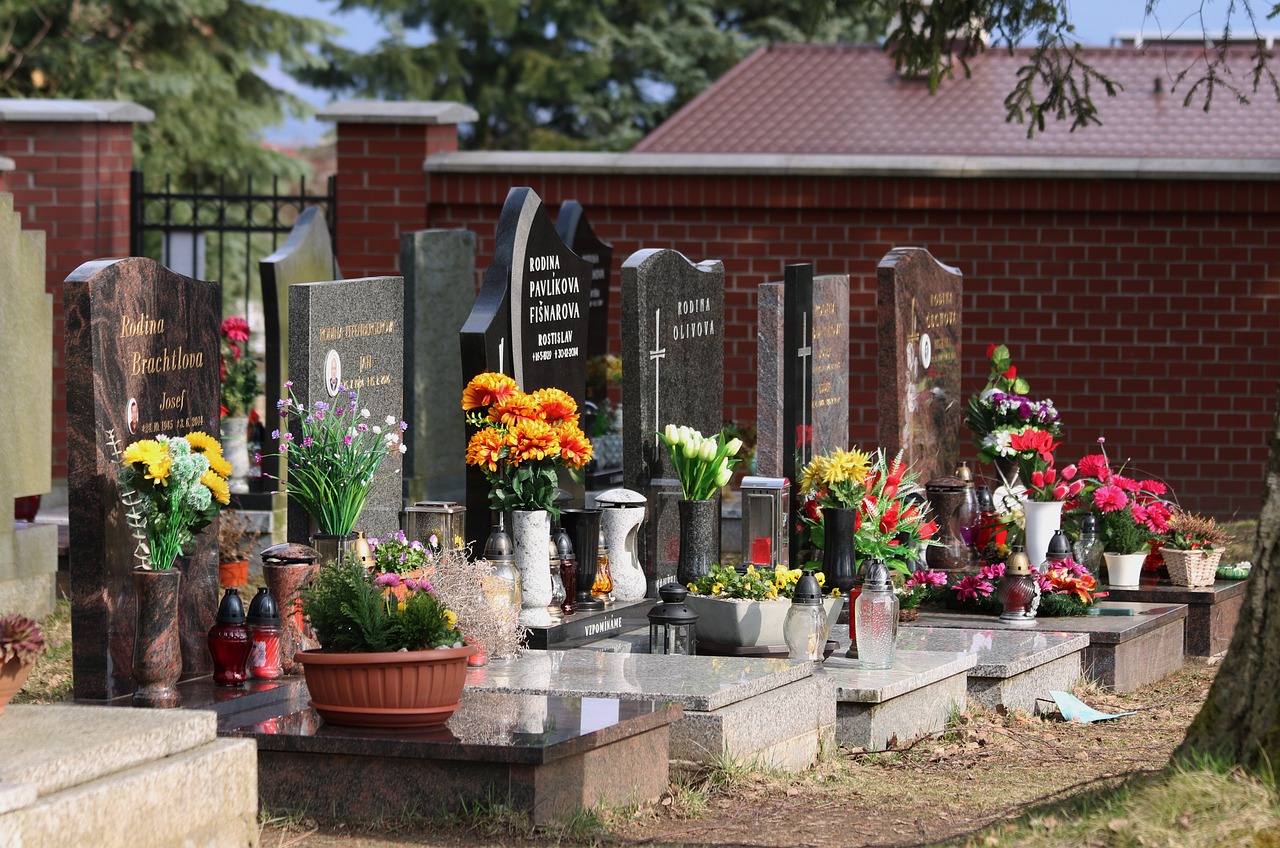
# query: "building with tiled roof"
849,100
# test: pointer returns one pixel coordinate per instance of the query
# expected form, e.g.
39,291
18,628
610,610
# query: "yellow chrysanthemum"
205,444
533,440
556,405
450,618
575,447
485,448
217,486
145,451
514,409
487,389
811,475
845,465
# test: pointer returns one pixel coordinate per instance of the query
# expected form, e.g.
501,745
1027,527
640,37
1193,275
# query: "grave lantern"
445,520
1018,591
766,511
672,625
503,588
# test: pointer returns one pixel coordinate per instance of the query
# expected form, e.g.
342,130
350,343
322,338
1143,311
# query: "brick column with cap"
382,190
70,178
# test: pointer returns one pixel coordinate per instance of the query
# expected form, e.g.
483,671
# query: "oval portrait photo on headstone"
132,416
333,372
926,351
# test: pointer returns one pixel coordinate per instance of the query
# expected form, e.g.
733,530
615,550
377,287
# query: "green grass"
50,680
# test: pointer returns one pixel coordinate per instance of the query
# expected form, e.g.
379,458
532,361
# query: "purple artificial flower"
321,405
308,442
389,578
288,384
346,440
275,434
362,427
287,437
404,425
257,457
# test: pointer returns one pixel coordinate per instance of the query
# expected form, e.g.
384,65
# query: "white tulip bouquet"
702,464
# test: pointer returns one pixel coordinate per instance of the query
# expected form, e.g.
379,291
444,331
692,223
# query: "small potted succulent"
21,644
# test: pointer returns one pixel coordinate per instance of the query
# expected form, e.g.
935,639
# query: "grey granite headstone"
305,257
439,288
350,333
918,301
574,228
672,373
529,320
142,360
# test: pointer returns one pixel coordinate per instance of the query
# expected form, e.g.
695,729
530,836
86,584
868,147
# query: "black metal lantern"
672,625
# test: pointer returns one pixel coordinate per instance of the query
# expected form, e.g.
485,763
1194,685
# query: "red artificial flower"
1011,373
1037,479
223,411
928,529
253,417
1110,499
236,329
1040,441
811,509
1060,491
1074,488
1130,486
1095,465
1049,474
991,351
1155,487
889,521
1069,472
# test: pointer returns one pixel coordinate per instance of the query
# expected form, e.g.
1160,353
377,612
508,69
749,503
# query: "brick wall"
71,179
1148,310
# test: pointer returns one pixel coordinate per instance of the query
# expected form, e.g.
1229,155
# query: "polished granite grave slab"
731,704
876,706
580,628
549,755
1015,669
1130,645
1212,611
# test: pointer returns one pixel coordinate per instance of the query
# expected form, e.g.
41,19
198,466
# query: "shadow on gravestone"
142,360
439,281
349,335
672,373
305,257
918,301
530,321
28,552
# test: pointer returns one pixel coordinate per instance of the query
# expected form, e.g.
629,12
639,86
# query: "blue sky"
1097,23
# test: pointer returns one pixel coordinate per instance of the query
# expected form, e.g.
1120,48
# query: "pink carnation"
1155,487
1110,499
926,578
992,572
1095,465
1125,483
236,329
972,588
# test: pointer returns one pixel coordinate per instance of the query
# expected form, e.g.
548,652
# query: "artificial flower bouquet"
357,610
1002,411
891,522
172,489
1066,589
724,581
334,455
702,463
1193,532
238,369
521,440
1131,513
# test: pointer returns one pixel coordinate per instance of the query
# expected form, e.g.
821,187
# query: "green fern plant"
357,611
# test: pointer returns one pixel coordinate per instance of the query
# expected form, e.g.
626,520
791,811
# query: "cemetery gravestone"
142,360
439,279
28,552
305,257
918,301
350,334
672,373
529,320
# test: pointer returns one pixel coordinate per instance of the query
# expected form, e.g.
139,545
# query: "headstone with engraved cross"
142,361
919,304
529,320
672,373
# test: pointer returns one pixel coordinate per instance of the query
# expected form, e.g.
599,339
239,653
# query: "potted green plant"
21,644
747,609
391,653
1193,546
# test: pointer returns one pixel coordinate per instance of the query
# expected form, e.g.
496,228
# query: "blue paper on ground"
1073,709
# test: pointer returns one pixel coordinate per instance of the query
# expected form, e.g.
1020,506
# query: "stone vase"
287,582
1042,520
235,447
531,536
839,552
699,541
157,647
621,528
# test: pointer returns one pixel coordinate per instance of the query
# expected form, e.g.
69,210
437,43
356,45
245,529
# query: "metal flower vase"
839,551
699,539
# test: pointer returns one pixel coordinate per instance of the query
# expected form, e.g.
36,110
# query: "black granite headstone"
672,373
141,361
350,333
305,257
578,236
529,321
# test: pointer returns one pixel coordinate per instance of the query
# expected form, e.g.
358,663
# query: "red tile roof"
845,99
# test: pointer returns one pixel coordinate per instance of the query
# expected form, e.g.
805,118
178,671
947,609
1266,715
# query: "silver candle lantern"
766,511
445,520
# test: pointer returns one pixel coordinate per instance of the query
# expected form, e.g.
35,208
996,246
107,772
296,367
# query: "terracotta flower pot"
393,689
233,573
13,674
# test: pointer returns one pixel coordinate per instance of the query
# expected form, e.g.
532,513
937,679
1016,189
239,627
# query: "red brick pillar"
72,160
382,190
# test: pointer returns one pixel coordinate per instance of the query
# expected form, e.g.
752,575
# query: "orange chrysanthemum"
556,405
533,440
487,389
485,448
515,409
575,447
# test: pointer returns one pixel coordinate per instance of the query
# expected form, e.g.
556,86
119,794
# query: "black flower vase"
839,552
699,546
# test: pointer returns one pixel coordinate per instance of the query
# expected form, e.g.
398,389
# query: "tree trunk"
1241,718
